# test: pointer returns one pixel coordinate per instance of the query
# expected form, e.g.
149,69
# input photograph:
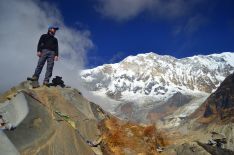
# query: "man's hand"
56,58
39,54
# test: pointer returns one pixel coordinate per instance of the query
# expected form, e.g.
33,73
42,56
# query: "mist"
21,25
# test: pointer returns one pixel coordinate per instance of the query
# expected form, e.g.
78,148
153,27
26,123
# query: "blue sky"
173,27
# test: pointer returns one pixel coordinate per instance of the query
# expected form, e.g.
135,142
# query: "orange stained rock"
121,137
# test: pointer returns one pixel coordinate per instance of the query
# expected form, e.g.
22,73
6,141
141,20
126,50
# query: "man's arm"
56,51
56,47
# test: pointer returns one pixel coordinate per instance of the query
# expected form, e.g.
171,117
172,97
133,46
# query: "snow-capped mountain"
147,80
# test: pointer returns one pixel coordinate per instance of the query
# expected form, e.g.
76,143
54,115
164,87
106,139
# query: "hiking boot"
34,78
46,83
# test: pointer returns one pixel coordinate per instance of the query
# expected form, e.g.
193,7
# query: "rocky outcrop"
220,104
215,115
62,121
45,132
196,148
129,138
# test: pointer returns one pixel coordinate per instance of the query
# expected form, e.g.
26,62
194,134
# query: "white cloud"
123,10
117,57
187,16
194,23
21,24
191,25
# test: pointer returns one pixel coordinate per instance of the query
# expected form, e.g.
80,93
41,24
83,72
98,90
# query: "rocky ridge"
152,74
88,129
62,121
213,120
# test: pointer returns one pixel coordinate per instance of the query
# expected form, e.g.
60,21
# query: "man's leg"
40,65
50,66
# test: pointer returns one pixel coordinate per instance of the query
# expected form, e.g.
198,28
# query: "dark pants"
48,56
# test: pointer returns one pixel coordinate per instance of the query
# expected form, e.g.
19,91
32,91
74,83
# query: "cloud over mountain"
22,23
123,10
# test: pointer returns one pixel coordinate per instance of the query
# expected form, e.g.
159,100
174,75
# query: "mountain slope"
145,81
219,105
45,132
62,121
145,73
215,116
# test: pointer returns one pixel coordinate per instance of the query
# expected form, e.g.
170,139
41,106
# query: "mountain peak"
146,56
149,80
198,73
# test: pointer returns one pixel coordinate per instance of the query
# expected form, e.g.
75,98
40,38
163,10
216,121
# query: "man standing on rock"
47,50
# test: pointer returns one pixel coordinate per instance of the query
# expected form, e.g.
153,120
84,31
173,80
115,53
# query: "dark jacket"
49,42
